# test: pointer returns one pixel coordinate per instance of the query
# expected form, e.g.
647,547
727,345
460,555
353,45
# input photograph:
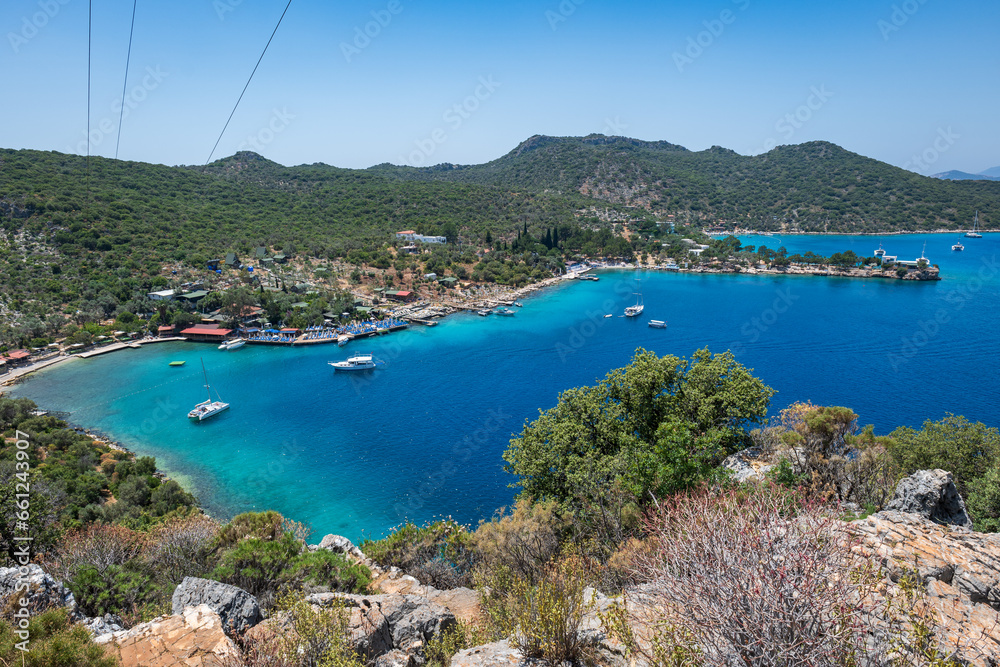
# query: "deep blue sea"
423,437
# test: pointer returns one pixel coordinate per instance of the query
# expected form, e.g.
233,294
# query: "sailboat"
636,310
958,245
208,408
974,232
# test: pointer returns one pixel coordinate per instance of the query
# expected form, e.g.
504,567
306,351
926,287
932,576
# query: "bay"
423,437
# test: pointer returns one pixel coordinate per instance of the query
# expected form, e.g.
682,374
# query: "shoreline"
750,232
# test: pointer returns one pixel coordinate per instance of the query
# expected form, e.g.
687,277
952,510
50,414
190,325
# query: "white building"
162,295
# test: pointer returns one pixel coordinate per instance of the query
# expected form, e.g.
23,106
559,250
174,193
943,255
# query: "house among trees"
213,264
232,261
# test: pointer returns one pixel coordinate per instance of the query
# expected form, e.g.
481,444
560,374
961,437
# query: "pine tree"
489,237
555,237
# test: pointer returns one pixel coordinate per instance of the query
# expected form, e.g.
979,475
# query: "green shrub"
440,553
333,571
544,617
262,568
54,642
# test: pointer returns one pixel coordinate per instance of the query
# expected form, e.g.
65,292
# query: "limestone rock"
43,591
932,494
103,625
192,639
497,654
382,623
462,602
960,570
238,609
341,545
395,658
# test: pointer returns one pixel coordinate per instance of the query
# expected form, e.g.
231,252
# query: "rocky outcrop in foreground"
43,591
238,609
194,638
932,495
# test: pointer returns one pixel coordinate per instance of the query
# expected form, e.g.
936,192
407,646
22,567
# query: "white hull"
342,340
658,324
203,411
634,311
233,344
364,362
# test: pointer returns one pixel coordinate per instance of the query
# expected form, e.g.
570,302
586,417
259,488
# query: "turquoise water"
423,437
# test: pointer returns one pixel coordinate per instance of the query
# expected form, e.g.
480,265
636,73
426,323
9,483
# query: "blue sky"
912,83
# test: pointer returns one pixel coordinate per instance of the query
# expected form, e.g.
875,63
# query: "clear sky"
465,82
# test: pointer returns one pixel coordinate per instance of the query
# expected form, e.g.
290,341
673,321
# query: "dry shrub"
180,547
525,540
543,614
761,577
310,637
98,546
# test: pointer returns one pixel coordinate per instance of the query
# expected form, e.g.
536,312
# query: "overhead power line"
248,83
128,59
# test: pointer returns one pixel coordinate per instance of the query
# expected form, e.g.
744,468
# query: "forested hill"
816,186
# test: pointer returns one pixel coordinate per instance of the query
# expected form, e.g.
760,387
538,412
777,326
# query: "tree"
236,304
657,425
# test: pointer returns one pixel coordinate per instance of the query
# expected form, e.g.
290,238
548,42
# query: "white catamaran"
208,408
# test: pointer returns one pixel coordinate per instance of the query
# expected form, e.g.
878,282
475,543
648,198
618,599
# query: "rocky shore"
923,536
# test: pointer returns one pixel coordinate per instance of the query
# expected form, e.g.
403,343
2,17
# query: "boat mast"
207,387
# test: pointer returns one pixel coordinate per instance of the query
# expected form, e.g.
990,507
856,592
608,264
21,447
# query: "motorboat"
657,324
359,362
233,344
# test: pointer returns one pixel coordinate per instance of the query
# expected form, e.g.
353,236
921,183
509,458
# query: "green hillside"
816,186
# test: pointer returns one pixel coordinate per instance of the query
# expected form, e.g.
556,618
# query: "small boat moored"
657,324
958,245
485,312
342,340
518,304
505,311
233,344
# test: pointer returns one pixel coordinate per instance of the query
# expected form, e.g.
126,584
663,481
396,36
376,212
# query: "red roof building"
205,334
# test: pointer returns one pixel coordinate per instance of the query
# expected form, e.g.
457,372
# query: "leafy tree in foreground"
658,425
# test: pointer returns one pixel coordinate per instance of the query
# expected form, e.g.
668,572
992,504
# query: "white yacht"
636,310
880,252
233,344
209,408
958,245
342,340
974,232
360,362
657,324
